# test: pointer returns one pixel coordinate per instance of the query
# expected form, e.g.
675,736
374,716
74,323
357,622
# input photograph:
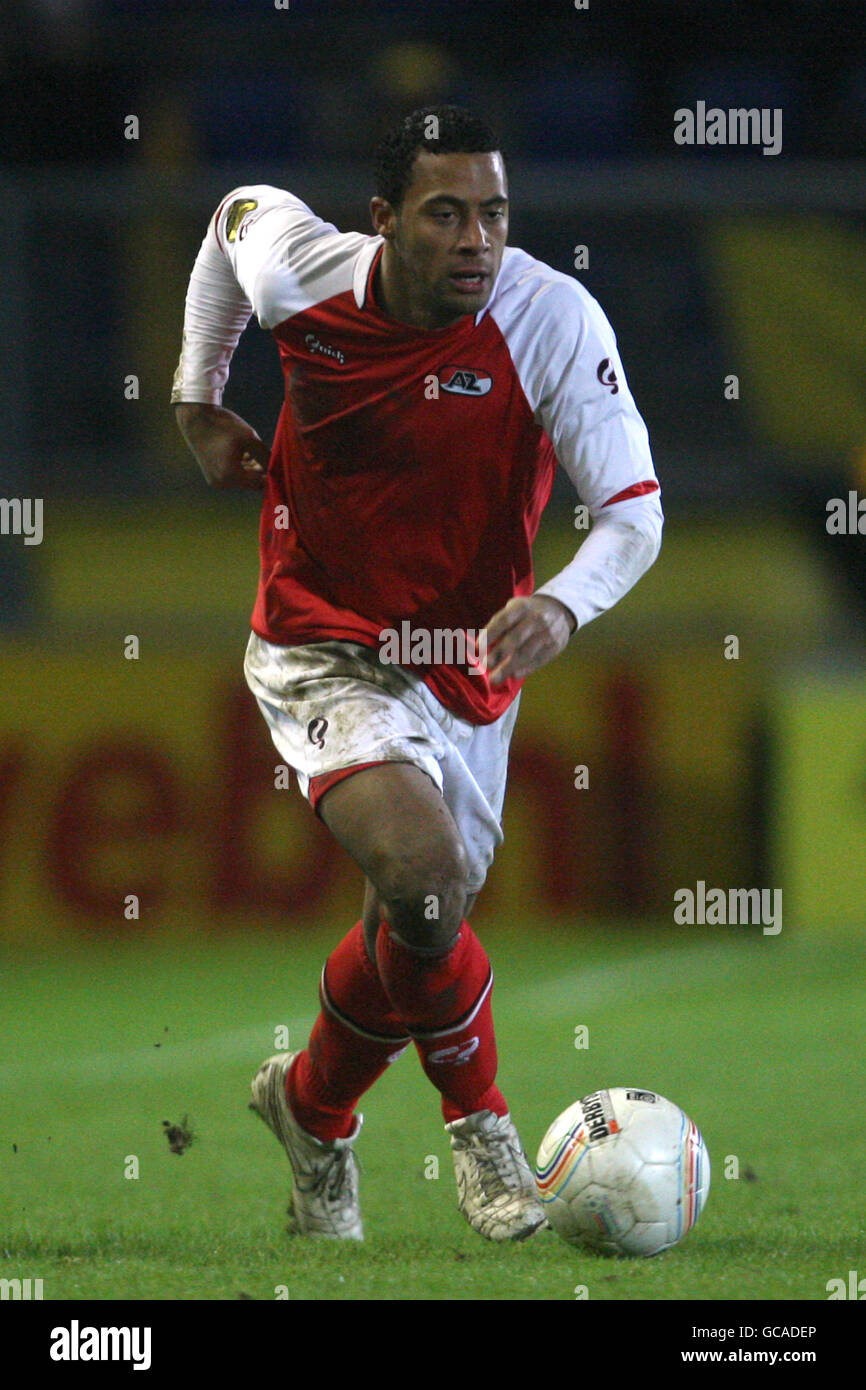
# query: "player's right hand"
228,450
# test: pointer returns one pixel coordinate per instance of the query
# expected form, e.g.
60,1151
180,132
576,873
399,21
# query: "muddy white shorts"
333,707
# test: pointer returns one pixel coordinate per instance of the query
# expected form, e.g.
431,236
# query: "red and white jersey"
410,467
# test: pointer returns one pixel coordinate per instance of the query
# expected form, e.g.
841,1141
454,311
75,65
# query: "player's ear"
383,217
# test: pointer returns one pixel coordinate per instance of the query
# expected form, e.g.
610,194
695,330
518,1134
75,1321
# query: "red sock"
354,1038
444,1001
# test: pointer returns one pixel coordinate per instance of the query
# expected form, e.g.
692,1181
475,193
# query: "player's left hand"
525,635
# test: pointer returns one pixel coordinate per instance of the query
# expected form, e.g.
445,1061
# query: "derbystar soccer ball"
623,1172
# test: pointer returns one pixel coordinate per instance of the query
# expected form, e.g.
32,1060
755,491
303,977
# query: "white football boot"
496,1189
324,1198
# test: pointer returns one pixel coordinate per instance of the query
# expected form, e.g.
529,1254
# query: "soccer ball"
623,1172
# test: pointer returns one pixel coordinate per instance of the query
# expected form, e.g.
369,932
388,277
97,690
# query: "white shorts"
333,705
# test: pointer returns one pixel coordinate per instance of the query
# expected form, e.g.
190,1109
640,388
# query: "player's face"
445,242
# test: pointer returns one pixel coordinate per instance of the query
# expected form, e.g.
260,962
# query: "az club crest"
465,381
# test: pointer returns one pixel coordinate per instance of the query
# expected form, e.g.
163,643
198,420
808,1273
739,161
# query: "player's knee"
429,916
424,898
420,928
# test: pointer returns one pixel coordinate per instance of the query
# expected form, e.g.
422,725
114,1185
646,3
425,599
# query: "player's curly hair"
439,129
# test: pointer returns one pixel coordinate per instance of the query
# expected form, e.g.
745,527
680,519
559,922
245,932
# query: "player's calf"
444,1000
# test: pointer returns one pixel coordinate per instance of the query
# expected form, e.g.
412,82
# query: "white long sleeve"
619,549
216,313
565,352
262,247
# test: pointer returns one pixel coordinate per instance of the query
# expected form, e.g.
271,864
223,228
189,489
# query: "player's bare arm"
228,451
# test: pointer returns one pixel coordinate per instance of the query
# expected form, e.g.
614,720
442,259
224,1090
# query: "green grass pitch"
759,1039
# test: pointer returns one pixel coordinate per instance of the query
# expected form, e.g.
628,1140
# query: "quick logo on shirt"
316,730
607,375
315,344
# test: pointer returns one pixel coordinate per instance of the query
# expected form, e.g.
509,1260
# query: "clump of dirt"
179,1136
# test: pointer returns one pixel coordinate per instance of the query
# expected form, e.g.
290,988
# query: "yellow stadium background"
139,794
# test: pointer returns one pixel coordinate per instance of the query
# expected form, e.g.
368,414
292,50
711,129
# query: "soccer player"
434,379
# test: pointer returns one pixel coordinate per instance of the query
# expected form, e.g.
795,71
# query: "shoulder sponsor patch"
236,214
